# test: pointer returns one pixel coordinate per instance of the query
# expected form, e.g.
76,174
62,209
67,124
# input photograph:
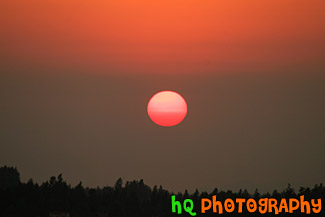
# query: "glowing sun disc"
167,108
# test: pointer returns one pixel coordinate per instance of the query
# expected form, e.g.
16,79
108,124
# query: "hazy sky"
76,77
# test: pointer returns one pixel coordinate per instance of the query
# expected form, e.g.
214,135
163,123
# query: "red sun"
167,108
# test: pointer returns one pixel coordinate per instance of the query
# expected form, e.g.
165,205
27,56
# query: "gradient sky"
76,77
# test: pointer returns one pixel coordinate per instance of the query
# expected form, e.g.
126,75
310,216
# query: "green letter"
190,208
176,203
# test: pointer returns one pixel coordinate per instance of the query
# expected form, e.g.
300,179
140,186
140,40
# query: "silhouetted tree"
135,199
9,177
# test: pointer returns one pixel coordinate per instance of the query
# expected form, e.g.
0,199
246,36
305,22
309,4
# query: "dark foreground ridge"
134,199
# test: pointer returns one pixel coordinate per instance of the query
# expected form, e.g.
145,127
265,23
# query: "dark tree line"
132,199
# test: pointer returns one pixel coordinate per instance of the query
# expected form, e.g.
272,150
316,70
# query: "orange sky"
164,36
76,77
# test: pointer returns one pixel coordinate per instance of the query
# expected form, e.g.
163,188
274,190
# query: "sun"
167,108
